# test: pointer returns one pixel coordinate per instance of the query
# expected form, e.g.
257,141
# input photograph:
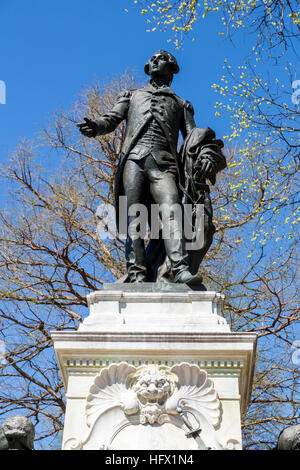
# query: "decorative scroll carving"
73,444
233,444
124,397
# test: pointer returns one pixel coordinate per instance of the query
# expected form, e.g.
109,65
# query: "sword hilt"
193,432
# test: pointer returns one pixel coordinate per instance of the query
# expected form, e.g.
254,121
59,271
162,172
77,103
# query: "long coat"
138,107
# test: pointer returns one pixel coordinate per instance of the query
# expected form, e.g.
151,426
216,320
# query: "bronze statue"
152,171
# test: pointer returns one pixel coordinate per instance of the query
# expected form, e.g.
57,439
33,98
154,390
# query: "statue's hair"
171,59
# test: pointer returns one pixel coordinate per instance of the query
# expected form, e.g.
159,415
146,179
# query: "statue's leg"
155,249
196,256
164,190
134,183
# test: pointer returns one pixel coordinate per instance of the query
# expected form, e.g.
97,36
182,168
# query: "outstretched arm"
108,122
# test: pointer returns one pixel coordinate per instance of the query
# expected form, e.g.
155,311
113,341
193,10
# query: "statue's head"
162,64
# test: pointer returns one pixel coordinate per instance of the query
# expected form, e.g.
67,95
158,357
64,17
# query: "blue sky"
51,49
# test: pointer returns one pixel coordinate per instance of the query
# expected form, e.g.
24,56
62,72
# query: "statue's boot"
138,278
186,277
136,261
136,273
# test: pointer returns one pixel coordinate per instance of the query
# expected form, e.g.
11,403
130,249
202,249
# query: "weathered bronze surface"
152,171
16,433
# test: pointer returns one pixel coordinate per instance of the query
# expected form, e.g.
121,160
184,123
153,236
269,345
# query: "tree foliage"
266,107
274,22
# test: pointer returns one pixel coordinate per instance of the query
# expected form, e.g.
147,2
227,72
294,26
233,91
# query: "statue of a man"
151,171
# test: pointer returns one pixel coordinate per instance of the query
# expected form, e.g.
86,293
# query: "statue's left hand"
207,168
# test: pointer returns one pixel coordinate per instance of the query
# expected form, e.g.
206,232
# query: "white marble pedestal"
150,365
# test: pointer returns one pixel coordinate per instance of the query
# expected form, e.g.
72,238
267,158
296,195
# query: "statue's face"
159,65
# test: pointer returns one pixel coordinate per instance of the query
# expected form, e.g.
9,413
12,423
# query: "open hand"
88,127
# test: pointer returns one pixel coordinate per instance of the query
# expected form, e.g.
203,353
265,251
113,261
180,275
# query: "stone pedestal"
154,367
